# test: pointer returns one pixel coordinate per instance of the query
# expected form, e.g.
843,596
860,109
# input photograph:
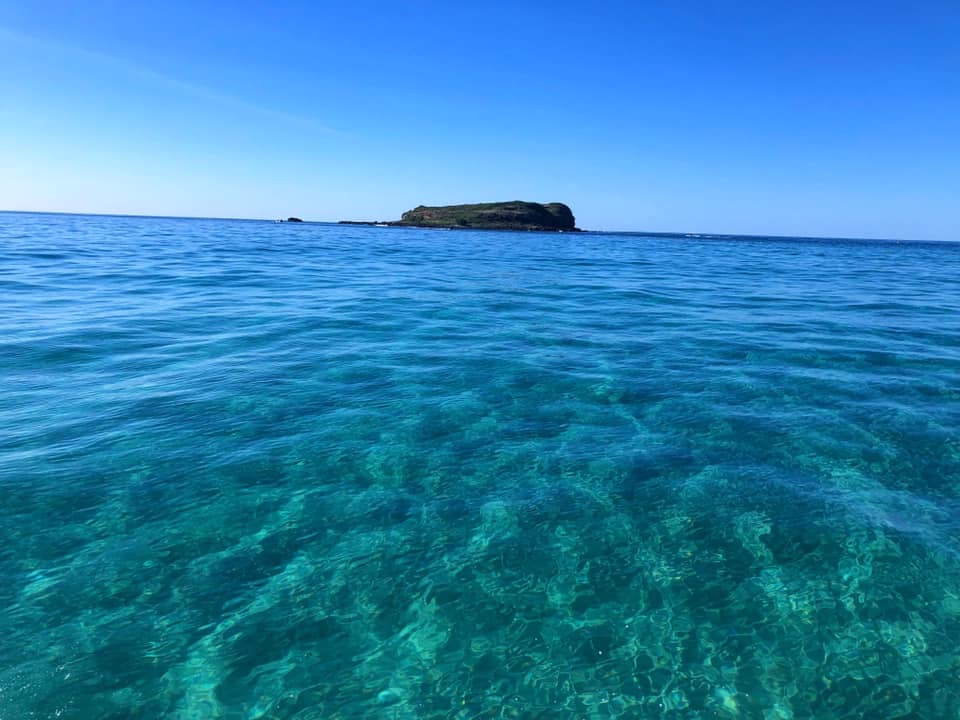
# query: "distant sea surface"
257,470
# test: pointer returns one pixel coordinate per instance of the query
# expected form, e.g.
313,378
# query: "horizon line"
649,233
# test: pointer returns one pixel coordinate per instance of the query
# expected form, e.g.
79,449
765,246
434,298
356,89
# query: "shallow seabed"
251,470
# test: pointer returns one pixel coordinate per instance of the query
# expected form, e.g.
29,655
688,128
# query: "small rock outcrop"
513,215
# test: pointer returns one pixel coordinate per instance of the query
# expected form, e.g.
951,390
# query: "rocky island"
513,215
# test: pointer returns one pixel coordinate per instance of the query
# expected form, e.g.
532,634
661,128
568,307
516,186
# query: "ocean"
259,470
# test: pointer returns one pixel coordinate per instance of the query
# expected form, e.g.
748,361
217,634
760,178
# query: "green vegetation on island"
513,215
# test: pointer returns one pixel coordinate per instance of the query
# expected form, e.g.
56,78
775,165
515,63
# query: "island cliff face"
513,215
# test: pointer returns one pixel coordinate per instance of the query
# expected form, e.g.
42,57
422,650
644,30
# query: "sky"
783,118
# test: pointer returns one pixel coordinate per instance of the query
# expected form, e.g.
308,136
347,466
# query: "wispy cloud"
158,79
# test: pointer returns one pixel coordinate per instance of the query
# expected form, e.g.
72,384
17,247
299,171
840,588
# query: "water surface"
251,470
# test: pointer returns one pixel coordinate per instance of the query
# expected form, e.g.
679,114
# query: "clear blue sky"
810,118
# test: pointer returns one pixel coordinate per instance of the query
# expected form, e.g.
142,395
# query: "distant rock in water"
294,219
513,215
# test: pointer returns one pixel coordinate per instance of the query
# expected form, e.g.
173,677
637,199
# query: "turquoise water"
251,470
